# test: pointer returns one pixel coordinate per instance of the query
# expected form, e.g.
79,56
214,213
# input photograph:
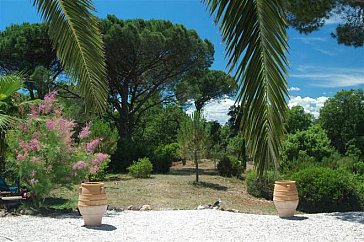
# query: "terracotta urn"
285,198
92,202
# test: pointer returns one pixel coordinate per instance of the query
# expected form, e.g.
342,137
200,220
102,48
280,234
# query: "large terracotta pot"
285,198
92,202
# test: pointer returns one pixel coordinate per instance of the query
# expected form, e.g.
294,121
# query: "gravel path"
196,225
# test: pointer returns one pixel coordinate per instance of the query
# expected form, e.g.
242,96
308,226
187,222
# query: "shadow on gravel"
296,218
210,185
356,217
103,227
191,171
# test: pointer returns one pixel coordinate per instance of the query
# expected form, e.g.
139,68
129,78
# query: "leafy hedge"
326,190
263,187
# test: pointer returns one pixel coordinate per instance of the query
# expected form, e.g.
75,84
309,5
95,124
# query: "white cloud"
216,110
330,76
325,52
310,105
294,89
310,40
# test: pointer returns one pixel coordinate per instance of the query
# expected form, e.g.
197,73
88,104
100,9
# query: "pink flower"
35,145
33,181
50,97
51,125
34,112
91,146
21,157
33,159
79,165
93,170
33,173
100,157
85,132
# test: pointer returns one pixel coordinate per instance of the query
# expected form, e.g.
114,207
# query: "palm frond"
9,85
75,34
256,42
5,121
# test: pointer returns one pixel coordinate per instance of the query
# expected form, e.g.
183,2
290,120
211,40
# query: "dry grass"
177,190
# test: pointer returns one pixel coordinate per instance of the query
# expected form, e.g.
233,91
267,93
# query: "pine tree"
192,138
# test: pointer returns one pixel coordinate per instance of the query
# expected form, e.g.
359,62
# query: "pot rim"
92,183
281,182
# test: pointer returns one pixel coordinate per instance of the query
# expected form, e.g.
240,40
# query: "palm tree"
8,86
256,41
75,34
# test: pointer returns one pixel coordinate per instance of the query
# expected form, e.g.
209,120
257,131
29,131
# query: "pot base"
286,209
92,215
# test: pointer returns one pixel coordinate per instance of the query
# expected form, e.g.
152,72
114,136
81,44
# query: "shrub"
230,166
301,162
164,156
313,141
141,169
326,190
46,156
261,187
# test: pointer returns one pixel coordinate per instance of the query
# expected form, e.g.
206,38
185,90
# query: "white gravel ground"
195,225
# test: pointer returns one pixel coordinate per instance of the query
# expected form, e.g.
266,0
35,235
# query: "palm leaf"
75,34
5,121
256,42
9,85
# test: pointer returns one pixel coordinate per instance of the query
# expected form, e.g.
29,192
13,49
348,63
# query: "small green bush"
263,187
230,166
141,169
326,190
164,156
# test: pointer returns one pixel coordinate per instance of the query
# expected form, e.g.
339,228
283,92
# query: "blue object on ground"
5,187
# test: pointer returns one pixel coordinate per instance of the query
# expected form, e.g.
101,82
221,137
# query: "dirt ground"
177,190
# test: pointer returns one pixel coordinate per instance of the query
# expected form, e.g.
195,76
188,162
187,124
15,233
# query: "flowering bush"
46,154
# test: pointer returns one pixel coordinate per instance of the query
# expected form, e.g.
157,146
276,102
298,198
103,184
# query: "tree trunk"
196,163
124,117
199,106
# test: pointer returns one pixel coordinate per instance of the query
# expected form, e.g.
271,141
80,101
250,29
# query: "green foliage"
166,53
108,134
343,118
9,85
313,141
193,139
301,162
203,86
125,154
25,47
164,156
326,190
261,187
231,166
307,16
141,169
236,147
298,120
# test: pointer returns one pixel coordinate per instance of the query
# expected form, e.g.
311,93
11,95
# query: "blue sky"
319,67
